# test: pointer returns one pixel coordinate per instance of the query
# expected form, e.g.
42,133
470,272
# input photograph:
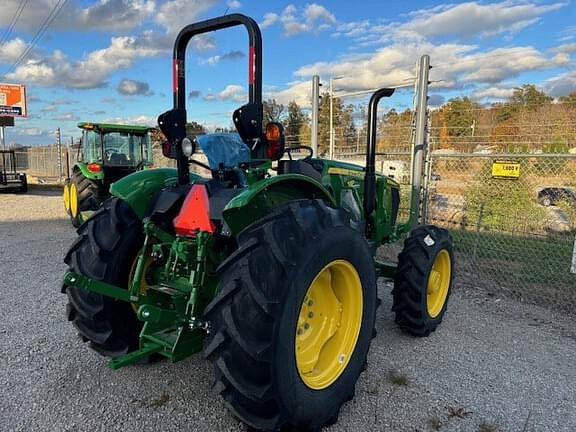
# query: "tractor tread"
104,250
410,281
245,312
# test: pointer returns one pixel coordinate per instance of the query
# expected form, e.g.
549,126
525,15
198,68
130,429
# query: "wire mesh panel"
513,218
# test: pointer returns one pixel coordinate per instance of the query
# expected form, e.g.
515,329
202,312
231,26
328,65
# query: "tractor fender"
83,168
138,189
260,198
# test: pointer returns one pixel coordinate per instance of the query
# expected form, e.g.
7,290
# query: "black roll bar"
370,173
254,54
173,122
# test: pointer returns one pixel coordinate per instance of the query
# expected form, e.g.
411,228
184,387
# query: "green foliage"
529,95
502,204
294,123
273,111
460,114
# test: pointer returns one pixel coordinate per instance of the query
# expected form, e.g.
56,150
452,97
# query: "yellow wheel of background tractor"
423,280
66,196
73,194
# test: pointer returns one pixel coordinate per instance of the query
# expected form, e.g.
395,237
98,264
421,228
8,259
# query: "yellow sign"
345,171
506,169
12,100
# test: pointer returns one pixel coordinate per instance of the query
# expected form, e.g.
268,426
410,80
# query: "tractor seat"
118,159
298,167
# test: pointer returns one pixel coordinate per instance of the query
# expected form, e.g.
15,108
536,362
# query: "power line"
13,21
47,22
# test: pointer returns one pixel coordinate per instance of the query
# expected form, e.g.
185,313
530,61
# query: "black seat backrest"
118,159
298,167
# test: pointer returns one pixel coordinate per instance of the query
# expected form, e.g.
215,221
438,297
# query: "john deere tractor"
108,153
266,264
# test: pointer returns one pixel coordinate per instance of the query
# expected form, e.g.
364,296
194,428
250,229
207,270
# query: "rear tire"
419,304
257,311
88,197
105,250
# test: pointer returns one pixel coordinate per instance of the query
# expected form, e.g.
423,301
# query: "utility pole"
315,109
59,150
2,138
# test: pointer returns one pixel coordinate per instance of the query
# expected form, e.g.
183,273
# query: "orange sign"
12,100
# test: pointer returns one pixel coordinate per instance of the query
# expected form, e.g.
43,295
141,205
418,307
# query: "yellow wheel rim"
438,283
66,197
73,200
144,284
329,324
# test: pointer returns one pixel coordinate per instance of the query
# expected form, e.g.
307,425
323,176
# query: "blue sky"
110,60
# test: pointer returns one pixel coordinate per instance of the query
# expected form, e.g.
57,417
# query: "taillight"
194,215
94,167
274,140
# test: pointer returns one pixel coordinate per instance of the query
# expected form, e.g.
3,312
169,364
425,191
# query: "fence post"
477,239
315,108
419,138
59,151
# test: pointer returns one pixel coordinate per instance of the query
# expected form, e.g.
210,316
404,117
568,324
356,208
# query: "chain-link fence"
513,218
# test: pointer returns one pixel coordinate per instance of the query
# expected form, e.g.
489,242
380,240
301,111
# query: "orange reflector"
194,215
273,132
94,167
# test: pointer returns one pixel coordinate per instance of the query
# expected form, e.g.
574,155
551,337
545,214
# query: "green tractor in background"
272,275
108,152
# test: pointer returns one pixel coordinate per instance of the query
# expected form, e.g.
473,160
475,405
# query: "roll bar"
370,173
248,119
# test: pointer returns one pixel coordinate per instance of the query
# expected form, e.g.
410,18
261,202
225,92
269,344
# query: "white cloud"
30,131
69,116
11,50
234,4
134,120
232,92
269,19
90,72
566,48
561,85
132,88
474,18
175,14
104,15
231,55
493,93
313,18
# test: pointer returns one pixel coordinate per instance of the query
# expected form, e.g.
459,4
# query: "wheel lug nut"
306,326
310,302
310,314
299,331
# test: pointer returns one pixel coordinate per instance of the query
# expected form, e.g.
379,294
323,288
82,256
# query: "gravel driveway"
493,365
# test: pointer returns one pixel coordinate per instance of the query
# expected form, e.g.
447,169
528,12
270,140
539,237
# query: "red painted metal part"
194,215
251,64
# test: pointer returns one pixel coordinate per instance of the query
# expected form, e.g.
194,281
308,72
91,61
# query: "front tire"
84,196
105,250
301,267
423,280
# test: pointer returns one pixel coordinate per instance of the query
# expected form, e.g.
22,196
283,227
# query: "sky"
110,60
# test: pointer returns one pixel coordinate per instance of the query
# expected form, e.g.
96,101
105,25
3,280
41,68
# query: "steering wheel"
289,150
108,153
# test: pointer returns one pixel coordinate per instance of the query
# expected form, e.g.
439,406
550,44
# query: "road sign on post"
12,100
6,121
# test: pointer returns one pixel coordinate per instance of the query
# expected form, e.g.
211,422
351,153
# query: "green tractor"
272,275
109,153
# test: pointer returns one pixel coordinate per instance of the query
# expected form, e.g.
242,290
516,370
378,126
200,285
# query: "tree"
296,119
272,111
529,95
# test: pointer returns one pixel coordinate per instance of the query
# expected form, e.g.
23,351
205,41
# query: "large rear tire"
105,250
423,280
84,196
293,317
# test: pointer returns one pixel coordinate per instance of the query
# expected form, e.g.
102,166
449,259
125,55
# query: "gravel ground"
494,364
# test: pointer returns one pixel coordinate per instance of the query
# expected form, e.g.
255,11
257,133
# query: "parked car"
552,195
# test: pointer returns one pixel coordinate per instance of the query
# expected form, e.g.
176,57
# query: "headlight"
187,147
